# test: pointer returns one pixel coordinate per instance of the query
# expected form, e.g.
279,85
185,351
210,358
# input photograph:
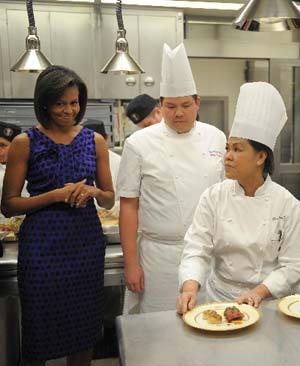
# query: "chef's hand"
64,194
188,298
134,277
255,296
186,301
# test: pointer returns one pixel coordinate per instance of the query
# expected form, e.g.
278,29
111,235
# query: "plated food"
10,228
212,316
233,314
107,218
221,316
290,305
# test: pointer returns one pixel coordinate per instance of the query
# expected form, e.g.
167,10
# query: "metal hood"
268,15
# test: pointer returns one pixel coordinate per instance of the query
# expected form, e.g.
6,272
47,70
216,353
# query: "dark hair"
269,162
195,96
51,85
96,126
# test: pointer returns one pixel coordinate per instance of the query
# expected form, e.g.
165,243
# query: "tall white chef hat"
176,74
260,113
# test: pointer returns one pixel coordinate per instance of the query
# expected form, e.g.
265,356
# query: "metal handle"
149,81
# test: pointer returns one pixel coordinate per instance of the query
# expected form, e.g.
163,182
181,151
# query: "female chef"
249,224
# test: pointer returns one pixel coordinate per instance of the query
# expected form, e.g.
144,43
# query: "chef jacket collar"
261,191
170,132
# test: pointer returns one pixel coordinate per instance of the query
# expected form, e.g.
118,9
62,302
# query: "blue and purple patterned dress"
61,254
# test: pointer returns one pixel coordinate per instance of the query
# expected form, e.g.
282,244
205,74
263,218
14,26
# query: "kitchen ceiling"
205,8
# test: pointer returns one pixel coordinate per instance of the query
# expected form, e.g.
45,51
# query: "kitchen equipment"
268,15
121,62
33,59
162,338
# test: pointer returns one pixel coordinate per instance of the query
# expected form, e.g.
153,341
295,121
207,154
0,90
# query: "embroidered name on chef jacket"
216,153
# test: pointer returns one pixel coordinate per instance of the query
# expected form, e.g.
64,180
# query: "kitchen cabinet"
146,34
61,41
73,44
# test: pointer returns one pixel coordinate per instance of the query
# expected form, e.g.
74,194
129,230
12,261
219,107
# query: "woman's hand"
70,192
255,296
188,298
82,194
134,277
186,301
250,298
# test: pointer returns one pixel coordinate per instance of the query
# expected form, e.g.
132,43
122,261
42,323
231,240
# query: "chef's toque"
260,114
176,74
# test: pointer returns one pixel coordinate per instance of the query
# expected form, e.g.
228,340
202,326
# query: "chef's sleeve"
196,256
281,281
129,176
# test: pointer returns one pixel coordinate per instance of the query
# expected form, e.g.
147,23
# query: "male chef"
163,171
144,111
8,132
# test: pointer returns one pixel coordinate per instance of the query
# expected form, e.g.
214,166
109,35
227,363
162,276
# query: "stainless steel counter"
163,339
113,273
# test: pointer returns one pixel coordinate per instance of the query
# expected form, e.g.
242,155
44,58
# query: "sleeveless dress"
61,254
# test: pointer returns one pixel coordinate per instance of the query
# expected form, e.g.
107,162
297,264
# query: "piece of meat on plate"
232,313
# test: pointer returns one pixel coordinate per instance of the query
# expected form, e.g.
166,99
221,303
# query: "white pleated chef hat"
260,113
176,74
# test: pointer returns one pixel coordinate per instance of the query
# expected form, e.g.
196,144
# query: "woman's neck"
251,184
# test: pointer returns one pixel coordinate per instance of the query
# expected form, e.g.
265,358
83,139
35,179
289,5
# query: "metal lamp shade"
32,60
121,62
268,15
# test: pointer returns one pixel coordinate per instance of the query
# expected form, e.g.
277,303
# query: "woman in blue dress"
61,243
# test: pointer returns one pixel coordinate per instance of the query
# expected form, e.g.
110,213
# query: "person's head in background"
144,111
96,126
60,97
178,95
8,132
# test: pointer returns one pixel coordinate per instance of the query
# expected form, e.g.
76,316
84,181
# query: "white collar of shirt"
2,167
170,132
261,191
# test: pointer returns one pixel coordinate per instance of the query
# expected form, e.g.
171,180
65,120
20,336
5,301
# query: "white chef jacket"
114,164
23,194
253,240
168,172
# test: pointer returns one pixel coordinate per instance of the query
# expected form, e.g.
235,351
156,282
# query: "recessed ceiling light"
181,4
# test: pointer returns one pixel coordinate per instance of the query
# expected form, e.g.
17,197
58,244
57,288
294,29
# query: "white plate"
290,305
194,317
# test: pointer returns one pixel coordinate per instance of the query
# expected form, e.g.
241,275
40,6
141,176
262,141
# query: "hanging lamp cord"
119,14
30,13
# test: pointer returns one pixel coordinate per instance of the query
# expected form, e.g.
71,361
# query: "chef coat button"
205,175
267,199
229,220
171,155
203,154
